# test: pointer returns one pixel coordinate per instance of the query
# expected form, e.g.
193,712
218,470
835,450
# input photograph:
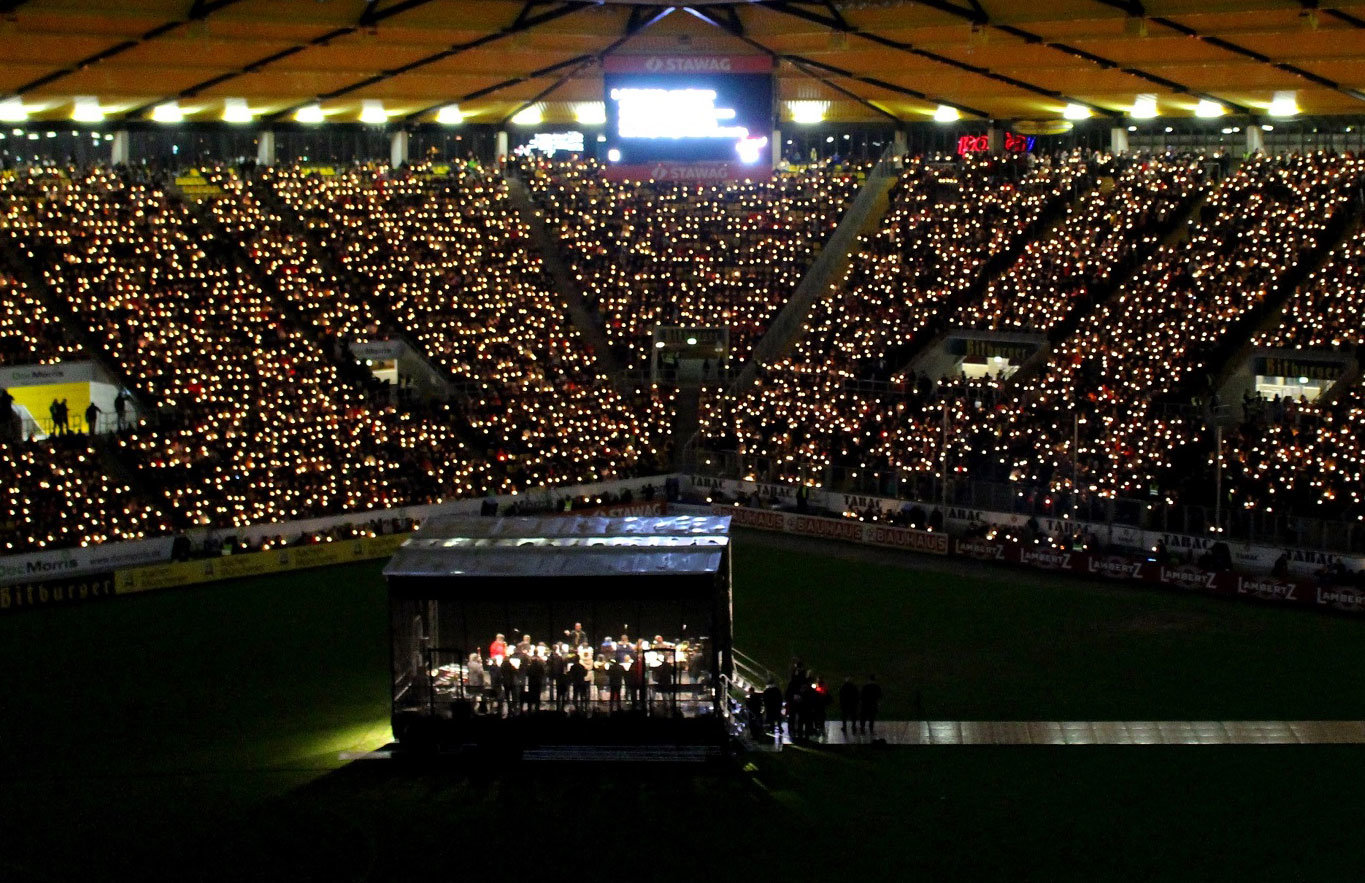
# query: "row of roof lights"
235,110
1144,107
591,113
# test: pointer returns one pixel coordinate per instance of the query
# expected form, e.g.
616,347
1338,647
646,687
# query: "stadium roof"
862,61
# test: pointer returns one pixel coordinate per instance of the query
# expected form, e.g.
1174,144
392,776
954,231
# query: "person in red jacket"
498,649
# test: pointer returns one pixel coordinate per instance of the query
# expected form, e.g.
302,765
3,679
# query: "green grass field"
194,734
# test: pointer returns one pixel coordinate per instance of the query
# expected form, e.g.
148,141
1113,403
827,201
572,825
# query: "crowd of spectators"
650,253
447,256
1298,455
829,404
232,321
29,334
1109,381
1116,222
232,326
1107,414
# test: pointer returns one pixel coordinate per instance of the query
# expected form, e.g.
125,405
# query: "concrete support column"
777,147
1255,138
265,148
119,148
995,140
398,148
500,146
902,142
1118,140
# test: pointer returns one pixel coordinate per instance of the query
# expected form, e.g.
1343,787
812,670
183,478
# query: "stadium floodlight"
87,110
591,113
310,113
1209,109
450,115
1283,105
372,113
946,114
169,113
236,111
1076,112
808,113
12,110
1144,107
528,116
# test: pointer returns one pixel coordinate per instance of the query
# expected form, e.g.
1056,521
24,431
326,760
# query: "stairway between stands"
566,285
863,215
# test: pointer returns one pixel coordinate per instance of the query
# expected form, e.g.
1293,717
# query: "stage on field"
556,630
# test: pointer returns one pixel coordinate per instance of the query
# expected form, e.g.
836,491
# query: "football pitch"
197,733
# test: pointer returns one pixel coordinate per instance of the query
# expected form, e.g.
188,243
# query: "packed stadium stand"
229,314
656,253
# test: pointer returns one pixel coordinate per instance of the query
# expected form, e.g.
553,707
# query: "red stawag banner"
687,64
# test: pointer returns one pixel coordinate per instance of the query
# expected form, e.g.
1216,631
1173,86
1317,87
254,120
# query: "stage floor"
1095,733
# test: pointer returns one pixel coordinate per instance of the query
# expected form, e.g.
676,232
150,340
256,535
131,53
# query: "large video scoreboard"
689,117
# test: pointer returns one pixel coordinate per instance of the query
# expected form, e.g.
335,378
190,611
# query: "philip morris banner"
90,560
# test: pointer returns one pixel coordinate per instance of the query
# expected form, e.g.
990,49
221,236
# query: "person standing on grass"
868,702
511,690
772,706
616,681
535,682
848,704
753,707
474,680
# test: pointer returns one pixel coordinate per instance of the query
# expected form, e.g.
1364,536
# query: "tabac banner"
184,573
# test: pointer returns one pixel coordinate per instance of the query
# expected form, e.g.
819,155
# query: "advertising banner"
183,573
66,563
870,534
66,590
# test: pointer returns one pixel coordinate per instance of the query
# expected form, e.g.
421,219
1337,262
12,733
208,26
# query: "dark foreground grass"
195,735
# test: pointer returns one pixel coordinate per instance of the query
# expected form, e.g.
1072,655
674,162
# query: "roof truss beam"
372,10
548,90
731,24
640,18
786,7
375,11
200,10
525,21
803,63
828,83
1244,52
978,17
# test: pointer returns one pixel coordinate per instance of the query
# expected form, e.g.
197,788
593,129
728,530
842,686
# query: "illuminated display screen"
689,117
550,143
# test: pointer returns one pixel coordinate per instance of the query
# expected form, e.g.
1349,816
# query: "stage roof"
473,548
864,61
